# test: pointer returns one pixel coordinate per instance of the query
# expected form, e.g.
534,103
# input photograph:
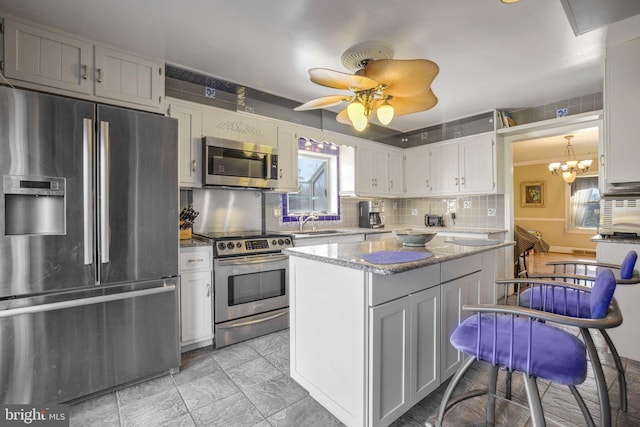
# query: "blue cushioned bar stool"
577,272
592,308
519,339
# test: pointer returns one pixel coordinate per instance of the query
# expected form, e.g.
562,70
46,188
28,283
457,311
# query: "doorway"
528,151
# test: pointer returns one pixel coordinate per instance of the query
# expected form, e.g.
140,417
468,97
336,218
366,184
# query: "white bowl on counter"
414,237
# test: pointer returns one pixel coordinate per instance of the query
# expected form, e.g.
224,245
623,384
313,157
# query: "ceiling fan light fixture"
355,111
360,124
385,113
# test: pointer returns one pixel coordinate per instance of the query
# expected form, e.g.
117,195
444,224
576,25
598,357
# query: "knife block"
185,234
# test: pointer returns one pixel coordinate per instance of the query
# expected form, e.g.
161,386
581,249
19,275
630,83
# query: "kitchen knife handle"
104,191
87,189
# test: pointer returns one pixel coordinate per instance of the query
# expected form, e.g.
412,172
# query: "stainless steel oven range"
251,285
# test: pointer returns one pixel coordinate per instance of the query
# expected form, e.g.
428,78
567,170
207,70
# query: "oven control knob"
238,245
274,242
221,246
280,242
287,241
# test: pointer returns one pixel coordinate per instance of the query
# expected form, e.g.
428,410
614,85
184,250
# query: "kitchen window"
583,205
318,180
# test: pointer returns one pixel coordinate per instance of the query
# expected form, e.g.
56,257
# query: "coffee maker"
370,214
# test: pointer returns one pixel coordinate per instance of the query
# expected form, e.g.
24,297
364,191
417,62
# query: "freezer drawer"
63,346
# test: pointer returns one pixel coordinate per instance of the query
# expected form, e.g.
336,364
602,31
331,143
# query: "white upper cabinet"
477,164
379,170
417,166
467,165
236,126
444,174
189,117
287,160
396,174
125,77
50,60
622,109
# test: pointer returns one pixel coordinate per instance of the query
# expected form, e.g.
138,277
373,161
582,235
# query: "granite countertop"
193,242
598,238
390,228
348,254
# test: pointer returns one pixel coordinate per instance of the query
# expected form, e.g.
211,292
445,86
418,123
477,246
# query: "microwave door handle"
87,189
104,191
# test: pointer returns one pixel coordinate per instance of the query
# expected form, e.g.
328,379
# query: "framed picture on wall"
532,194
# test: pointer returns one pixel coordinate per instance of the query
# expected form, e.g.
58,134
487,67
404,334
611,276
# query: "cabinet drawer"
461,267
383,288
192,260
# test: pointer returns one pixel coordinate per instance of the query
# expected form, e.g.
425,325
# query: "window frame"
567,203
324,148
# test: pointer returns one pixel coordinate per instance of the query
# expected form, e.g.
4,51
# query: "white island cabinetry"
369,346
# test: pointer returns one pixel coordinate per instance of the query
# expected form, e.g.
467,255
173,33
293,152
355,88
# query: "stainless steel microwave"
239,164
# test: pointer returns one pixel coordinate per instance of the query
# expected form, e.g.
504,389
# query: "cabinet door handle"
280,173
193,165
462,181
99,76
83,72
208,290
456,180
601,159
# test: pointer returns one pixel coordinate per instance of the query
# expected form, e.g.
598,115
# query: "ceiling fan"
390,87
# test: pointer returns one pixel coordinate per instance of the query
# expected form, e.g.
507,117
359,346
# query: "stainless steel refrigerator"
88,247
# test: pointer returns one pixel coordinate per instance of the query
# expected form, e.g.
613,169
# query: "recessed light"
509,1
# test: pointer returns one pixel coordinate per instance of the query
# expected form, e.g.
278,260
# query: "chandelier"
569,168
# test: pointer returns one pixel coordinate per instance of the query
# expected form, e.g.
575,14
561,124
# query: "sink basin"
316,232
473,242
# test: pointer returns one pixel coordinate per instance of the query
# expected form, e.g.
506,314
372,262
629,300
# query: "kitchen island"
368,340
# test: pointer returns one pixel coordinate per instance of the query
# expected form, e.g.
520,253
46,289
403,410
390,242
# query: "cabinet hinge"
160,71
159,100
1,27
2,66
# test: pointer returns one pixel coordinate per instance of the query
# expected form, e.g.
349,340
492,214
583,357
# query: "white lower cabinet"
196,297
455,294
403,366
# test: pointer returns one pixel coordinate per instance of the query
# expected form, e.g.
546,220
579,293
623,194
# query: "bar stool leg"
622,380
491,396
601,384
533,397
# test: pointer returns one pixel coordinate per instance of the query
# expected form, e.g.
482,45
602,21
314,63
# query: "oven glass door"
250,287
246,286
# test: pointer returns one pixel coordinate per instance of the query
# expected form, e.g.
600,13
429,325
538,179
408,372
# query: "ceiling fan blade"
338,80
323,102
413,104
343,117
404,77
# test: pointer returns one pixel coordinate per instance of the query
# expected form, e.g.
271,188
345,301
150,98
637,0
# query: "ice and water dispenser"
34,205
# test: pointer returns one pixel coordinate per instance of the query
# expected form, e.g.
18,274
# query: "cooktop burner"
247,242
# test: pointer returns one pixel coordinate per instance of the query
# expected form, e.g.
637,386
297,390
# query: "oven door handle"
251,260
252,322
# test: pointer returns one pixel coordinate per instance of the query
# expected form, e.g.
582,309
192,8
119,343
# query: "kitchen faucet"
303,221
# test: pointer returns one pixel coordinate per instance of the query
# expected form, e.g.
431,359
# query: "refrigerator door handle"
85,301
87,189
104,191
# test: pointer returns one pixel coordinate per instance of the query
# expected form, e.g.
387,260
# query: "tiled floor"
247,384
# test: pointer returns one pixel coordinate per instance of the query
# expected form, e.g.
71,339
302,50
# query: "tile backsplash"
470,211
